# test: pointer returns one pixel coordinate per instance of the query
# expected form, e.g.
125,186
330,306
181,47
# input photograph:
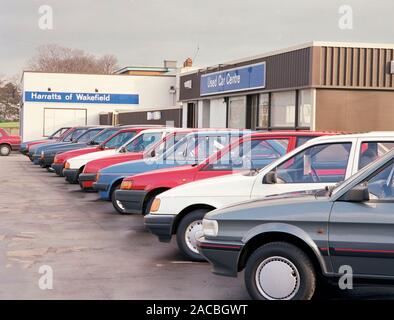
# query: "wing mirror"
101,147
153,153
270,178
122,150
358,193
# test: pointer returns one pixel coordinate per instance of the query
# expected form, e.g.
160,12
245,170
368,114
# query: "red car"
115,140
89,174
8,143
137,192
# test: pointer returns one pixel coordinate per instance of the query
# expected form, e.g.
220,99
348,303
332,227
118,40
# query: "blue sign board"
231,80
76,97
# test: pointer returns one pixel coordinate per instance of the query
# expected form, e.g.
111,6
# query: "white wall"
153,94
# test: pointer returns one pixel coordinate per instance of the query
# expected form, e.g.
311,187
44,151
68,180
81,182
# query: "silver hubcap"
119,204
277,278
193,232
4,151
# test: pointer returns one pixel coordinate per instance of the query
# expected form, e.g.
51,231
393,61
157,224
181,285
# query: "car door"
253,153
361,234
313,168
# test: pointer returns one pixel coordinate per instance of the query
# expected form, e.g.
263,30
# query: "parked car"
111,138
90,170
138,144
53,137
252,152
91,137
318,163
192,149
70,136
287,244
8,142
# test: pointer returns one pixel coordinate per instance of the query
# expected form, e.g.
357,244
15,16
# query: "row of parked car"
288,207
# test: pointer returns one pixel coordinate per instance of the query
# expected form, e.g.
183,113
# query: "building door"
55,118
192,115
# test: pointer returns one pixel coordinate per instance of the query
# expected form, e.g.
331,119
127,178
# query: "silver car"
286,244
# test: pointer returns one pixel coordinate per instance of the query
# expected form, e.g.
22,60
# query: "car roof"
372,134
293,133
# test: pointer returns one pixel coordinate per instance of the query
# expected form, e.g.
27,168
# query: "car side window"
323,163
373,150
253,154
302,140
380,185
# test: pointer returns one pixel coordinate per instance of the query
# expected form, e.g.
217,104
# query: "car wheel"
280,271
188,232
5,150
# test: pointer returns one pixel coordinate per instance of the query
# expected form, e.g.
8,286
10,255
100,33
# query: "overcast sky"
145,32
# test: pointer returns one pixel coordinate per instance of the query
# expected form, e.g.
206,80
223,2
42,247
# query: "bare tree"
10,97
55,58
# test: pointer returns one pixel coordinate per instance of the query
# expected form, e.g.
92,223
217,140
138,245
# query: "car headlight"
67,165
210,227
97,177
155,205
42,154
126,185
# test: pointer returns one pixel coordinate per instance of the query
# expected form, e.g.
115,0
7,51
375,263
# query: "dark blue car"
192,149
91,137
74,135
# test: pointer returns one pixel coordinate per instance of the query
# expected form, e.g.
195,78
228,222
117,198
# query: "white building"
53,100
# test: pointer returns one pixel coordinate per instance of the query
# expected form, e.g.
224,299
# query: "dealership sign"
76,97
236,79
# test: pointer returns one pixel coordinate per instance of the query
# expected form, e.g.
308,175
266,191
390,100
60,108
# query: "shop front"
312,86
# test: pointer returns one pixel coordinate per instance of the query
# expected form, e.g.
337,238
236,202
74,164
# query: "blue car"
54,137
74,135
91,137
192,149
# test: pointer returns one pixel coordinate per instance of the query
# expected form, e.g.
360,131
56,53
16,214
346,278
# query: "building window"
305,98
283,109
236,112
263,111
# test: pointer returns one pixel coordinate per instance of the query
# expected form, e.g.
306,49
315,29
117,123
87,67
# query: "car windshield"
75,135
339,186
167,143
88,135
143,141
58,133
104,135
196,148
119,139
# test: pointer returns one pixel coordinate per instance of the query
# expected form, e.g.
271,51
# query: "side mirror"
122,150
153,153
270,178
359,193
101,147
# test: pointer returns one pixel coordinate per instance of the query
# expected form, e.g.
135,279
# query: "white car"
317,164
139,143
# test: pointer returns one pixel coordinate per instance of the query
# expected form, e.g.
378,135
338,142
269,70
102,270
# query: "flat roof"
298,47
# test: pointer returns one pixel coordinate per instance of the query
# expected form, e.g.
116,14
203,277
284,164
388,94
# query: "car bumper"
100,186
86,180
160,225
35,159
71,175
131,200
224,257
47,161
58,167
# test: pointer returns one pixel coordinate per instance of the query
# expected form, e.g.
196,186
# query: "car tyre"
189,228
5,150
116,203
280,271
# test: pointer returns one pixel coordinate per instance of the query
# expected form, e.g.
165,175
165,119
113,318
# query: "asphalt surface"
94,252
